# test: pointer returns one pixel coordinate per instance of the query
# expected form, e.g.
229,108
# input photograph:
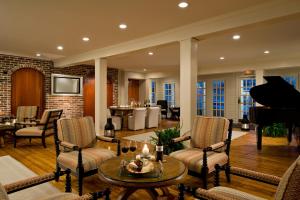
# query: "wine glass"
133,146
125,148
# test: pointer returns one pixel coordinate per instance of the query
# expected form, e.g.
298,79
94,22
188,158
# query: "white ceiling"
281,37
32,26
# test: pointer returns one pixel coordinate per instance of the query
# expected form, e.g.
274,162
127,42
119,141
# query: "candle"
145,150
138,157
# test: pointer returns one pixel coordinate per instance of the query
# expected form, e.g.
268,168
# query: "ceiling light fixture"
222,58
86,39
183,4
145,69
266,52
38,55
150,53
122,26
60,48
236,37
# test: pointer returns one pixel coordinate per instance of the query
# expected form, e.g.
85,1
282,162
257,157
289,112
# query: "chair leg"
68,181
217,175
181,192
80,183
58,169
44,142
30,140
227,172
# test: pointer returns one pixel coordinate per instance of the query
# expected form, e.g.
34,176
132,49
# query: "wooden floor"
274,158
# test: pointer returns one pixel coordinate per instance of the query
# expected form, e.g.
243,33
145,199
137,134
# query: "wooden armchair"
210,140
76,149
288,186
42,128
31,182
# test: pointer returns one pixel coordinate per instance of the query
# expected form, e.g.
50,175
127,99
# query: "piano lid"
276,93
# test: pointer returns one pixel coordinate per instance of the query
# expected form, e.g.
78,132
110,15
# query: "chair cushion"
208,130
61,196
233,194
192,157
3,194
91,158
77,131
30,131
289,186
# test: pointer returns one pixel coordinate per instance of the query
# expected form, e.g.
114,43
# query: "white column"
188,81
259,78
100,93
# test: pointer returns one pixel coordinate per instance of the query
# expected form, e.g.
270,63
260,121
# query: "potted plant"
166,136
275,130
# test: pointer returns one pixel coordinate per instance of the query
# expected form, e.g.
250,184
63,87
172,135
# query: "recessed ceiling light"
145,69
60,48
183,4
222,58
236,37
150,53
86,39
38,54
266,52
122,26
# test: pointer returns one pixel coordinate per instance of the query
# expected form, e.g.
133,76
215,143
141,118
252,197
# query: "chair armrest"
216,146
184,137
258,176
106,139
29,182
69,145
209,195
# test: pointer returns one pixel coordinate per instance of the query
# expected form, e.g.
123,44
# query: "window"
153,92
218,98
169,93
201,98
291,80
246,100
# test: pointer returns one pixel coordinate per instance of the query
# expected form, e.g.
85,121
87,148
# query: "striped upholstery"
289,186
208,130
3,194
33,131
233,194
26,112
91,158
192,157
77,131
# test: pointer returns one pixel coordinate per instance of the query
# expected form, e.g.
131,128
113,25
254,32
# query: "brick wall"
72,105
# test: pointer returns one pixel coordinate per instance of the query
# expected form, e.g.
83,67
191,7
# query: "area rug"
145,137
12,170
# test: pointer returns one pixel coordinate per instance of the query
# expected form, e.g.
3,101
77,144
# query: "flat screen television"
66,85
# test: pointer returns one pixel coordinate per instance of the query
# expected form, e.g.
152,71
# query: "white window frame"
201,111
245,100
171,93
218,112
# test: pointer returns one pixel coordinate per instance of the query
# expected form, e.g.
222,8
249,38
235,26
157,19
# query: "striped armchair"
67,195
75,140
288,185
42,129
210,139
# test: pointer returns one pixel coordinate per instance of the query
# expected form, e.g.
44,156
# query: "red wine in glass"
132,148
124,149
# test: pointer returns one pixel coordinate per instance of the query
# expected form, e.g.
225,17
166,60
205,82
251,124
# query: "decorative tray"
148,170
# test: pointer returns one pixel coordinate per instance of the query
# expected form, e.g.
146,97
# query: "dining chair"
75,142
152,117
137,119
164,107
287,186
210,140
42,129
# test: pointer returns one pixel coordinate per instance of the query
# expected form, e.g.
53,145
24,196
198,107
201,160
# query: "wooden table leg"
126,193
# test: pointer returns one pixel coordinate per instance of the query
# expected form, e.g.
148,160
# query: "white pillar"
188,81
100,93
259,78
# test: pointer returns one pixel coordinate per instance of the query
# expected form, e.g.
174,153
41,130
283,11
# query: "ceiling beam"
256,14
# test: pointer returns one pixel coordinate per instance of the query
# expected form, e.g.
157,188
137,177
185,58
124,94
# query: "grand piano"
281,103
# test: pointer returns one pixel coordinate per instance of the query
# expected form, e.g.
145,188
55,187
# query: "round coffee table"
174,171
